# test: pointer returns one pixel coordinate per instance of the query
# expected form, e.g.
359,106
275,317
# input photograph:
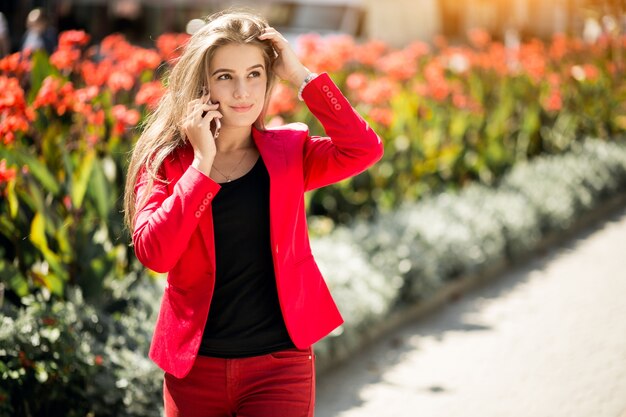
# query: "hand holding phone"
215,123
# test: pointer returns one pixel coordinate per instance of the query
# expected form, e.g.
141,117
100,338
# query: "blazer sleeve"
352,146
164,225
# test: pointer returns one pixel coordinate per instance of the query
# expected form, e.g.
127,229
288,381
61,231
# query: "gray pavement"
548,338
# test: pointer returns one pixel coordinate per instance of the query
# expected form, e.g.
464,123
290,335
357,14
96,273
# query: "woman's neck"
233,139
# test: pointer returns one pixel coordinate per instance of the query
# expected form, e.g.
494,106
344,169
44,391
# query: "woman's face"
237,81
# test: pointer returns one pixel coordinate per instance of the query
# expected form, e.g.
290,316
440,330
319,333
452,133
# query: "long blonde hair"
162,132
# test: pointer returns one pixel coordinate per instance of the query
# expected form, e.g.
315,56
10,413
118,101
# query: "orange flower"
149,94
283,100
124,118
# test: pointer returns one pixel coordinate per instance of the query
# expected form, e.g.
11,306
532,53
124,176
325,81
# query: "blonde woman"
216,200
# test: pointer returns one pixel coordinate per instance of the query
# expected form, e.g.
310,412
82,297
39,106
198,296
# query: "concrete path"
547,339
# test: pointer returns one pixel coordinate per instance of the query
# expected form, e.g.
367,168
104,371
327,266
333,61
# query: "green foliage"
406,256
68,357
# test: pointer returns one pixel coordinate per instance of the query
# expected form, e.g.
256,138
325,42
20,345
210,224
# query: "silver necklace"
229,176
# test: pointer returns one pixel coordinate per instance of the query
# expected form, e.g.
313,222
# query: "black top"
244,317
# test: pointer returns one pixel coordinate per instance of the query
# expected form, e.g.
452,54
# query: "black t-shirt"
245,317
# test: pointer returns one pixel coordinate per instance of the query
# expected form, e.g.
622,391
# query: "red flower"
97,360
73,38
379,91
479,38
96,74
141,60
356,81
327,54
12,96
116,47
398,65
149,94
51,93
17,63
6,174
370,52
554,102
14,113
382,116
124,118
558,48
283,100
65,59
120,80
170,46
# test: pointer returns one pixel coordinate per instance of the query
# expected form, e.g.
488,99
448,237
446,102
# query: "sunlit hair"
162,131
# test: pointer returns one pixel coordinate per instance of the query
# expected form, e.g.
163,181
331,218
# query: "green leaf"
12,199
41,68
99,190
39,240
39,171
80,178
38,232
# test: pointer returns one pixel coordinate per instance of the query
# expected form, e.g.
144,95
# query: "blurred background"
503,124
396,22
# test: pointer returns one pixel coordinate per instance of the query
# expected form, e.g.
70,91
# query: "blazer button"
325,88
198,214
206,201
330,94
333,100
202,208
337,106
209,195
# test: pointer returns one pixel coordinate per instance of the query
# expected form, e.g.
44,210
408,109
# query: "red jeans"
280,384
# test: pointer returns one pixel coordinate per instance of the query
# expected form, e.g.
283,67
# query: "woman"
216,200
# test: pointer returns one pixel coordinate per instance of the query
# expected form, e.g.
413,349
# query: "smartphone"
215,123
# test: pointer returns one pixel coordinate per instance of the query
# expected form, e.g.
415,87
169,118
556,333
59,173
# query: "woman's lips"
242,109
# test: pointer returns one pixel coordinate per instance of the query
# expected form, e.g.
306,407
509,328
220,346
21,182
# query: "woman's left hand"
287,66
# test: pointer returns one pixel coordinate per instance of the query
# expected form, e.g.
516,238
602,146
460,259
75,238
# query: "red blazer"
174,231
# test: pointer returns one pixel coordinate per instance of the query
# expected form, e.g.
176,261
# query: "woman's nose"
241,90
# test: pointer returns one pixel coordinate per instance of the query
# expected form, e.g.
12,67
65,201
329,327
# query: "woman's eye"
254,74
224,77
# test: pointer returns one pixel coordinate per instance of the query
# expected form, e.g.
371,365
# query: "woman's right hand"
198,131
